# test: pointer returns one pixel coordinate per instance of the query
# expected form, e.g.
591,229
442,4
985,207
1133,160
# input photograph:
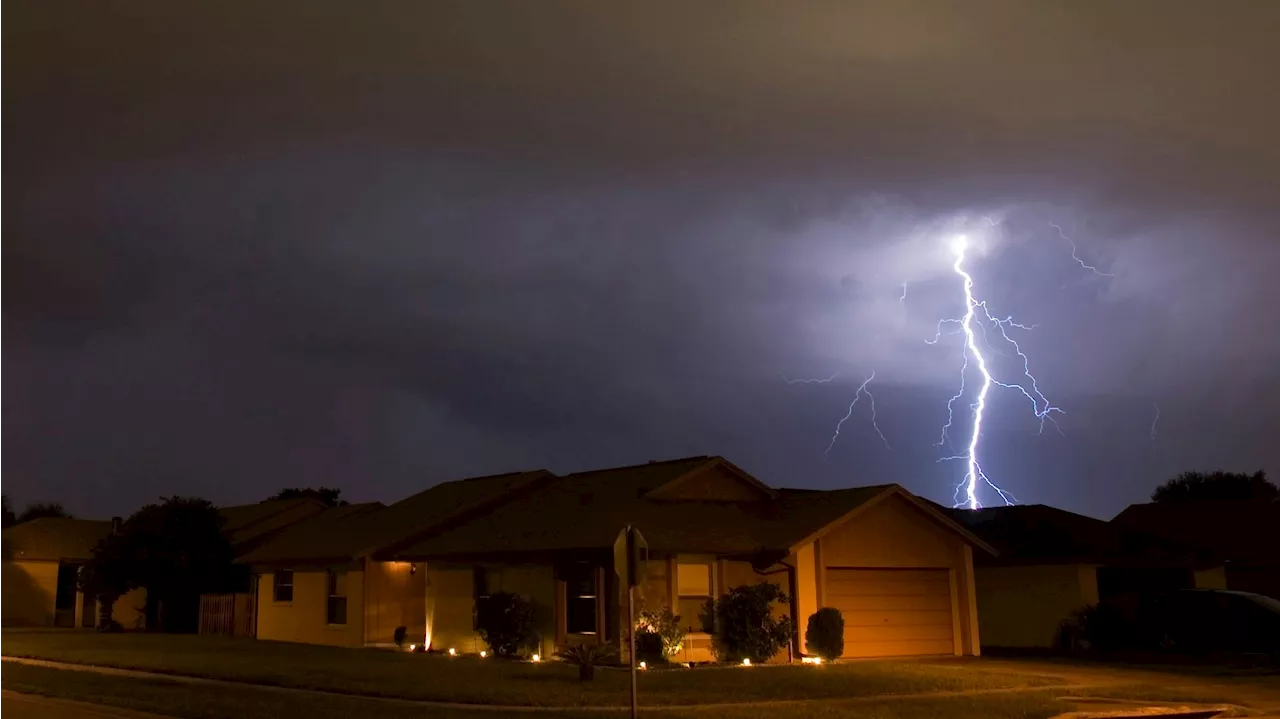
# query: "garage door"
893,612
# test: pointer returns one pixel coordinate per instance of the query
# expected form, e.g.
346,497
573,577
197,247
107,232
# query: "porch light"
746,662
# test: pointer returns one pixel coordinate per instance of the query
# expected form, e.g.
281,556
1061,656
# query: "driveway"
30,706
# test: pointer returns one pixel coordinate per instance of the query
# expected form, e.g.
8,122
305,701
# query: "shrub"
745,627
398,637
505,622
824,634
587,657
1098,627
659,636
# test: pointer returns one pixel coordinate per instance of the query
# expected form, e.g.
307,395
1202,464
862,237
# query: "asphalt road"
29,706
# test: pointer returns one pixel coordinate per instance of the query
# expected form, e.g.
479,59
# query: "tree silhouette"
9,518
330,497
1196,486
39,510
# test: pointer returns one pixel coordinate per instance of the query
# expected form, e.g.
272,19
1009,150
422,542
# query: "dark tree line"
1200,486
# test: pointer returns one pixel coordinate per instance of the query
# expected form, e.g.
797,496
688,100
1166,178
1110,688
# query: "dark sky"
253,245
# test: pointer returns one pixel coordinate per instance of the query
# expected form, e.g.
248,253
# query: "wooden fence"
230,615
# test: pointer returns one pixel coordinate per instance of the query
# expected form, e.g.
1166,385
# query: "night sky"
255,245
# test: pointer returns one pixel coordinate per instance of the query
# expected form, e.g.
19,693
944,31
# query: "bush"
659,636
824,634
398,637
745,627
587,657
1098,627
505,622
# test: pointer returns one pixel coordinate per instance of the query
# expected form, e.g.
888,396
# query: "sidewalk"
33,706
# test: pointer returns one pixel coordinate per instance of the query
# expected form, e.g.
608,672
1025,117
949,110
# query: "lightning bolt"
903,299
978,314
1154,420
816,380
862,389
1074,253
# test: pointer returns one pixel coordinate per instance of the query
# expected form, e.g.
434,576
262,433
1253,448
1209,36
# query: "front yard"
469,680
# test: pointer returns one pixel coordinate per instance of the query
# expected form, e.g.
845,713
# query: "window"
282,586
693,582
484,583
337,608
580,599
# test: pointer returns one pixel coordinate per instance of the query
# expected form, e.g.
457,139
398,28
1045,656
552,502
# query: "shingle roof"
1239,530
54,538
339,535
1039,534
585,511
249,523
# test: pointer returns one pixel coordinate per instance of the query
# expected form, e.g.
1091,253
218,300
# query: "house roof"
1245,531
54,539
1039,534
585,511
247,524
344,533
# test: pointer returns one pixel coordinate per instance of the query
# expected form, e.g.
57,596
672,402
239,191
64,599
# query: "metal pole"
631,631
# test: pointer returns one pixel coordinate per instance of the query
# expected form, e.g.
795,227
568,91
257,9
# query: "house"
1245,533
899,570
42,559
1052,562
318,582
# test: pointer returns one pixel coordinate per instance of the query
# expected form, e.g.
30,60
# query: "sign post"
630,561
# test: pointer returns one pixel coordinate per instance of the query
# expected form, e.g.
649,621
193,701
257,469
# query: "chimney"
115,525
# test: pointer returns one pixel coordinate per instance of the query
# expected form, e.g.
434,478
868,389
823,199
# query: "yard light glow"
644,665
536,657
453,652
413,647
746,662
810,660
483,654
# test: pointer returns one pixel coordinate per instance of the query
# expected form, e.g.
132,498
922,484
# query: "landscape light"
537,657
746,662
811,660
413,647
453,652
644,665
483,654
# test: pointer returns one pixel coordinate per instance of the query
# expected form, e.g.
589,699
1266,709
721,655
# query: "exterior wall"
896,534
806,588
450,603
1024,606
1214,578
304,618
30,588
395,596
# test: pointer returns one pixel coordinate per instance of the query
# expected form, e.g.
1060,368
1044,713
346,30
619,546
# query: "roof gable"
878,494
54,539
716,481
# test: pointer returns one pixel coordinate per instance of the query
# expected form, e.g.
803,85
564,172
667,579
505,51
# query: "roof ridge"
650,463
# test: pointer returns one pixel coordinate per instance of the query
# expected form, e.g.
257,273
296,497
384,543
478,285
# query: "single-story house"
42,559
1052,562
899,570
1245,533
319,583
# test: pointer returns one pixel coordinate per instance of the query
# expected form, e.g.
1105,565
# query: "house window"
581,600
484,583
693,582
282,586
337,606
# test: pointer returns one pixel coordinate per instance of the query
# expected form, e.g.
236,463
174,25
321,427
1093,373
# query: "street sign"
631,556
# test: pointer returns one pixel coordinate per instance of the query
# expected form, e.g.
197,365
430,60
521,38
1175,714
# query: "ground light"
453,652
811,660
644,665
746,662
483,654
413,647
536,657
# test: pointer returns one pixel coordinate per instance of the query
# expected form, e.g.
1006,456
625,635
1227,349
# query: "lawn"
376,673
188,701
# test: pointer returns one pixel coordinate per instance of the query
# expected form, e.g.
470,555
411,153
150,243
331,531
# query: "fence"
229,615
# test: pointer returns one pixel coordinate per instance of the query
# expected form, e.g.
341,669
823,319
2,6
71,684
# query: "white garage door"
893,612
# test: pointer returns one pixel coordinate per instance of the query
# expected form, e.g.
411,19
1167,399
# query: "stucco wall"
29,588
395,596
305,618
1024,606
450,603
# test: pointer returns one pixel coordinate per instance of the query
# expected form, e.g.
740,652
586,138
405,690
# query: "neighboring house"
1245,533
900,571
1052,562
42,559
318,582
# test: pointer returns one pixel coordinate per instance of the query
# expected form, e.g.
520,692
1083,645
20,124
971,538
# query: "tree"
1196,486
176,550
39,510
9,518
329,496
745,627
105,578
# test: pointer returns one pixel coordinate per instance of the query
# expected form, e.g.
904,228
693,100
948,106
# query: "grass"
187,701
374,673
